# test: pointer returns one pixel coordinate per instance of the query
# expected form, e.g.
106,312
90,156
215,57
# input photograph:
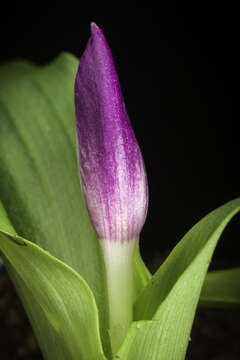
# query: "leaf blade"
141,275
221,289
39,182
168,302
59,300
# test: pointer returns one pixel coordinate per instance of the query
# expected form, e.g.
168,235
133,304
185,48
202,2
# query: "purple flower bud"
110,162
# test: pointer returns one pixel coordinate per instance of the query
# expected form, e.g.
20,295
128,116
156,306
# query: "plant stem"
118,259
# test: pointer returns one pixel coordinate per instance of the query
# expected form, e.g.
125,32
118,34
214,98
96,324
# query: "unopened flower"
111,166
112,170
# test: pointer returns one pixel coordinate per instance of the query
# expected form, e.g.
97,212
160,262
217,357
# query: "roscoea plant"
83,284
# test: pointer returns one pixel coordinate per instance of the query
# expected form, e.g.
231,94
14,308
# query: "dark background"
179,70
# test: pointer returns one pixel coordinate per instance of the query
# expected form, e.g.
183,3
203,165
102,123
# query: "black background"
179,70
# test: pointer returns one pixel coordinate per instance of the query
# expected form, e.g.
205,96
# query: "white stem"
118,259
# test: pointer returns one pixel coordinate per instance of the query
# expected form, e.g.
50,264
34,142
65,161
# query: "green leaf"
168,303
141,275
221,289
39,182
57,299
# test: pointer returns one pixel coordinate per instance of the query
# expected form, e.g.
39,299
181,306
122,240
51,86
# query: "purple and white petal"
110,161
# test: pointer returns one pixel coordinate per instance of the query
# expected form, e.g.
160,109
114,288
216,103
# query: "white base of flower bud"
118,259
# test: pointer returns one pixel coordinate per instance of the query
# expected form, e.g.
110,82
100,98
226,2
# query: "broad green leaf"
170,299
39,182
141,275
221,289
58,300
